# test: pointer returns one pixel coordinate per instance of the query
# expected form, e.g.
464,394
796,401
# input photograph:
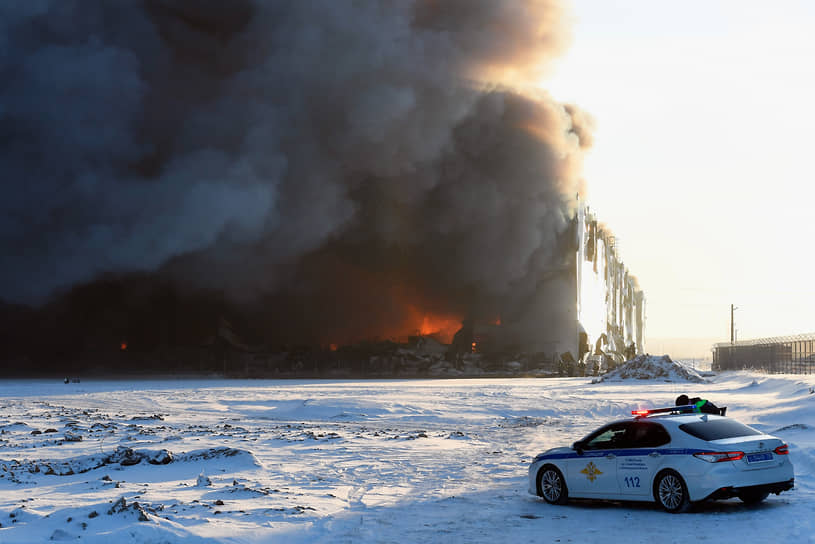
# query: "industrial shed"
778,355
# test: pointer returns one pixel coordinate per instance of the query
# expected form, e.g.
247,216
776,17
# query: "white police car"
669,455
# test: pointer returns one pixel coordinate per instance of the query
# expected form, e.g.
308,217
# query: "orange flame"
123,346
333,347
442,327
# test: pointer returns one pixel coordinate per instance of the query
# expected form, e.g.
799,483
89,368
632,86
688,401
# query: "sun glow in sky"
702,157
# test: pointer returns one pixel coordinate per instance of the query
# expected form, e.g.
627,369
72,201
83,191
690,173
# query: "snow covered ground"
340,461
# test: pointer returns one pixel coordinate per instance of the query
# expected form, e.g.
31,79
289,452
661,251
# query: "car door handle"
611,456
654,454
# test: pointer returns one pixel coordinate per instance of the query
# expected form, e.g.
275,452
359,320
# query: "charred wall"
611,305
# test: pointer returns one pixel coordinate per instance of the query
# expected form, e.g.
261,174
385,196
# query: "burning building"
317,173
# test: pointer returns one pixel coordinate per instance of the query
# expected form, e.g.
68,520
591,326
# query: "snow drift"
414,461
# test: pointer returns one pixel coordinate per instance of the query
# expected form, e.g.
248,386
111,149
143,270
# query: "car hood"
554,451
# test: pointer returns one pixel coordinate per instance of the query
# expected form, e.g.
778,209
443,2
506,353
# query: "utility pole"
732,336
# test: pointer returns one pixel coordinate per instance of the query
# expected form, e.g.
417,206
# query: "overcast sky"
701,162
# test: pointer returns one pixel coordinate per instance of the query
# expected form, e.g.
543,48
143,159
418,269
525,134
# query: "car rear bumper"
706,480
775,487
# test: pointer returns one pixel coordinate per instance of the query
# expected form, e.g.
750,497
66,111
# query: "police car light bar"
687,408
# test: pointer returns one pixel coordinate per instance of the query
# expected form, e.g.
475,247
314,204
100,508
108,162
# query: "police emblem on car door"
593,471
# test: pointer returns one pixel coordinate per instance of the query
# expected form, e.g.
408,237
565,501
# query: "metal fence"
777,355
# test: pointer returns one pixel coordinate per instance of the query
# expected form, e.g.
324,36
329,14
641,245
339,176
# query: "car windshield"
716,429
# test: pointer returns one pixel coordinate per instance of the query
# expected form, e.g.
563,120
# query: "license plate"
759,457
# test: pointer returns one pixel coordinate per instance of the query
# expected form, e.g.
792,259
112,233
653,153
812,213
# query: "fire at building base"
591,320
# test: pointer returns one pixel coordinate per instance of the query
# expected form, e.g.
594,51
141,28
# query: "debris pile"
652,367
123,456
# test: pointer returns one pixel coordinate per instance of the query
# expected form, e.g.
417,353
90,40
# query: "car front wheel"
671,493
552,486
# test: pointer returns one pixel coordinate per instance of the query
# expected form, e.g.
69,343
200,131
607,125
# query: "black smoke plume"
334,168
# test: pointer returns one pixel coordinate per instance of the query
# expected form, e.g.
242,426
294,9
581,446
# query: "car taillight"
783,449
719,456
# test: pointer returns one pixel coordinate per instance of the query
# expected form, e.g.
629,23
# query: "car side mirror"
578,447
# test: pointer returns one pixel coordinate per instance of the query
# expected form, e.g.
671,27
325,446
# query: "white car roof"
671,420
675,420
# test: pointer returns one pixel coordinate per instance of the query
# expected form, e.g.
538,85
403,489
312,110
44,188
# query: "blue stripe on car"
618,453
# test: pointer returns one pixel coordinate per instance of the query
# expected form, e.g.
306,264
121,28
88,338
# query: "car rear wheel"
671,493
752,497
552,486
